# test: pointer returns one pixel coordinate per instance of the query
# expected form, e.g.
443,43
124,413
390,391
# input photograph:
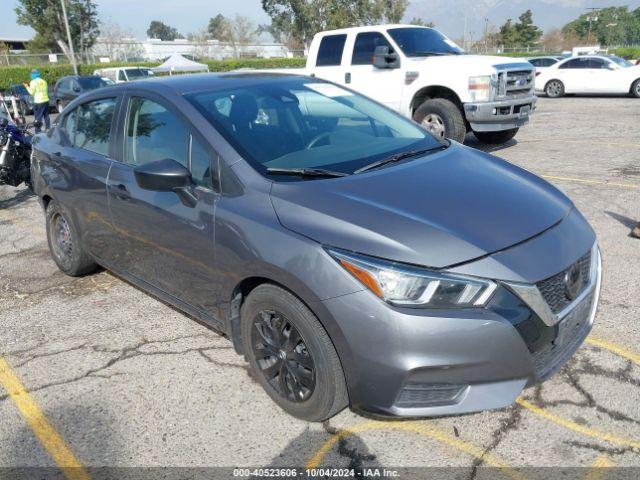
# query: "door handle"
347,77
120,191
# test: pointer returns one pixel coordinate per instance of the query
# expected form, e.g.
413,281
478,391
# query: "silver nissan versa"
351,257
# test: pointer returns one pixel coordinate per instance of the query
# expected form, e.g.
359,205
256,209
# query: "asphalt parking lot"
105,375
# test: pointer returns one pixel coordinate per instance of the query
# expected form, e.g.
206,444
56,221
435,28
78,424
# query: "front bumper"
416,362
500,115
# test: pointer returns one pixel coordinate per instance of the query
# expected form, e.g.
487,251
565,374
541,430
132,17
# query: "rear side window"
154,133
68,125
93,130
121,76
330,51
365,45
547,62
575,63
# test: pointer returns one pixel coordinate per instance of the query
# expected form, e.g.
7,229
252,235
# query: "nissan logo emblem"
573,281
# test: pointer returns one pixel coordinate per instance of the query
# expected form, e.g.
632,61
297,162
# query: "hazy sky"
448,15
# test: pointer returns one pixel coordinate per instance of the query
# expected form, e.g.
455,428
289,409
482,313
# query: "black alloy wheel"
282,356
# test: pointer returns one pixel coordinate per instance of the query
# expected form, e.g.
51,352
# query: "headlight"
404,285
480,88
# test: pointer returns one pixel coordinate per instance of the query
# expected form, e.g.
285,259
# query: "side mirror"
77,89
383,57
167,176
610,66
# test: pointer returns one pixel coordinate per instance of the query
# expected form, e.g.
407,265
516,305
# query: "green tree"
218,27
419,21
608,26
45,17
527,32
158,29
302,19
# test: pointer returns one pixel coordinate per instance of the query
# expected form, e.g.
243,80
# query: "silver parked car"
352,258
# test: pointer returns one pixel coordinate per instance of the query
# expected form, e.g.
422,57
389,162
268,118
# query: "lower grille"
421,395
571,332
553,289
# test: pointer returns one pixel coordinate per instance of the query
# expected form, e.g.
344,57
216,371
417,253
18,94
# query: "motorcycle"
15,152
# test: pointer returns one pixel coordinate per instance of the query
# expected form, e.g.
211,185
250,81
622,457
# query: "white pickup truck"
422,74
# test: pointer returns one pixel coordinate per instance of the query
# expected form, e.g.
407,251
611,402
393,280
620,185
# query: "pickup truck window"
330,51
306,123
365,45
423,42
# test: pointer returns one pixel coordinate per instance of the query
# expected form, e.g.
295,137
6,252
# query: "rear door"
164,242
82,162
328,61
574,75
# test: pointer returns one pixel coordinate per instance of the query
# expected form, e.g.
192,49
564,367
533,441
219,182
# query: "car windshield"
91,83
301,123
420,42
137,73
621,62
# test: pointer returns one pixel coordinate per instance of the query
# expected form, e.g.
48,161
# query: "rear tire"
554,89
503,136
442,118
291,355
64,243
635,88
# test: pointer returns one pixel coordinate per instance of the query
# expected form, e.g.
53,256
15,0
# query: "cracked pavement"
128,381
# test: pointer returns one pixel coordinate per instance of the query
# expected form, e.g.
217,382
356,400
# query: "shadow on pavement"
19,197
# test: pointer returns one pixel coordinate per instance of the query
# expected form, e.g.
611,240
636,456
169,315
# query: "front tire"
503,136
635,88
64,243
442,118
554,89
291,355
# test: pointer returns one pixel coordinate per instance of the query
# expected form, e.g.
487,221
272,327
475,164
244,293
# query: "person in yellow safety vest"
38,89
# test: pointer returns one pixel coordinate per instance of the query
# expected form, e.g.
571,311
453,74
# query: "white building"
152,49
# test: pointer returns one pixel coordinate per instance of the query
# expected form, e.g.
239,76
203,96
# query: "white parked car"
544,62
124,74
590,74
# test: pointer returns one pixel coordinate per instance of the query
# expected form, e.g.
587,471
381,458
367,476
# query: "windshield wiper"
306,172
398,157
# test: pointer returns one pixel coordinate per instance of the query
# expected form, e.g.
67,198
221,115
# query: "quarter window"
93,130
365,45
154,133
330,51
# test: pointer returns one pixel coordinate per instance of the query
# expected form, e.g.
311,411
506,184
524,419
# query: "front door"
371,81
165,242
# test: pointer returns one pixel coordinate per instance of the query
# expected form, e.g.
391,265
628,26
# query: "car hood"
437,211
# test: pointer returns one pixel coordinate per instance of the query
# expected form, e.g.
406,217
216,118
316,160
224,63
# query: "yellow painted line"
46,434
612,347
420,429
632,186
597,470
590,432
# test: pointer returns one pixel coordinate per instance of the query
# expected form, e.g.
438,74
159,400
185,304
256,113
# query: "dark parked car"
353,258
71,87
25,101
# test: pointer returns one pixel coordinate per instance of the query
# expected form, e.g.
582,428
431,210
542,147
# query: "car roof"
371,28
190,83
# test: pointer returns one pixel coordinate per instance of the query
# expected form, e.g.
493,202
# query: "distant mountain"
448,15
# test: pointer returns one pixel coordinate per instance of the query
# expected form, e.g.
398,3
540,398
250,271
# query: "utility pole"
66,25
464,33
592,18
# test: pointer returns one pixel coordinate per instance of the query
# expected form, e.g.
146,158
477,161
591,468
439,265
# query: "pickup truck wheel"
503,136
442,118
635,88
554,89
64,243
291,355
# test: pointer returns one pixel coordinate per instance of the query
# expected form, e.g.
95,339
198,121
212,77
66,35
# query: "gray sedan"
351,257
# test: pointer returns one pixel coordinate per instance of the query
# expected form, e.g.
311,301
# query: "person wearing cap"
38,89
